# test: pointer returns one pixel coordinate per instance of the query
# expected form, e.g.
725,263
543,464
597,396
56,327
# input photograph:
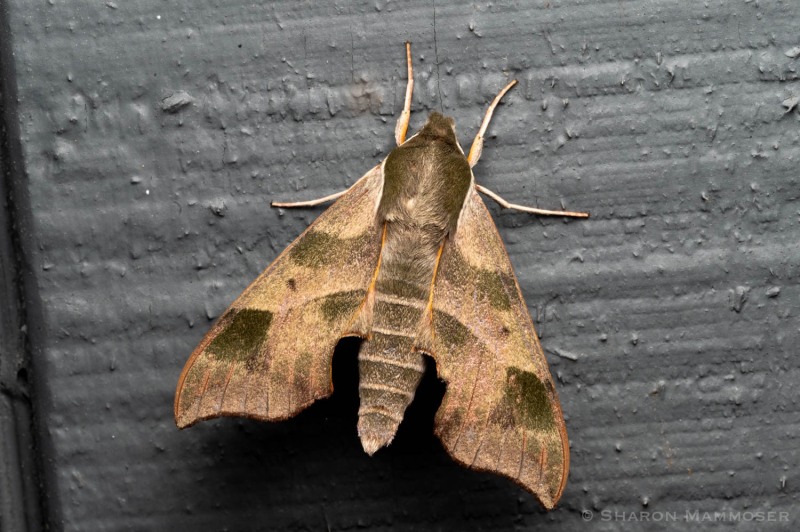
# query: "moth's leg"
477,144
532,210
309,203
424,335
402,123
429,307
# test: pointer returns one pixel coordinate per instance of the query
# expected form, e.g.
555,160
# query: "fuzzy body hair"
426,180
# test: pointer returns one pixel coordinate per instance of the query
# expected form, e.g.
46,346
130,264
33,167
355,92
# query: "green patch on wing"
528,398
243,335
491,286
341,305
316,249
449,330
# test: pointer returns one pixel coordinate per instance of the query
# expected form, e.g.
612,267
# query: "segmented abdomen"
389,369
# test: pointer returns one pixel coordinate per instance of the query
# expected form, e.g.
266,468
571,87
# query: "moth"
408,259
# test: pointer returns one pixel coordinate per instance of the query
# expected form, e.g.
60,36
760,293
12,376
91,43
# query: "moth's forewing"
500,412
269,355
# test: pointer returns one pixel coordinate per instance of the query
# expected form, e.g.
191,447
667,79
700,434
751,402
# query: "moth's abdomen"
389,368
389,373
425,183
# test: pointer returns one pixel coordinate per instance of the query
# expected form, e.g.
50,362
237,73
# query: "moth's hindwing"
500,412
269,355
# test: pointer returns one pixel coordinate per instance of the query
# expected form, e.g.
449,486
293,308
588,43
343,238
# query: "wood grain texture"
670,316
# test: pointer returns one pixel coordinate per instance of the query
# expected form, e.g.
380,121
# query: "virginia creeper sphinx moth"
408,259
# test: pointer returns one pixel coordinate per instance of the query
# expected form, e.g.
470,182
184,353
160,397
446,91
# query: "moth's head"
440,126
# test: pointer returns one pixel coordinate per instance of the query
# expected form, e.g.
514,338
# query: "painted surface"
153,136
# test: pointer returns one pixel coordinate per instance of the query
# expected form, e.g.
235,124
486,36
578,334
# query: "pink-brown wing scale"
269,355
500,412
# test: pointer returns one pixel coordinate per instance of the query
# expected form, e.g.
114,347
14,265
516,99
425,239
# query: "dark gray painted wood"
21,452
670,316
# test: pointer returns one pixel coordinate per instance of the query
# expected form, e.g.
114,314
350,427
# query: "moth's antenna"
436,56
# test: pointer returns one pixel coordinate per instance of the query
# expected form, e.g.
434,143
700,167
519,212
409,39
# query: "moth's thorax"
426,179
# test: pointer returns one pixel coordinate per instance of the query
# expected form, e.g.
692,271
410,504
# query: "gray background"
143,141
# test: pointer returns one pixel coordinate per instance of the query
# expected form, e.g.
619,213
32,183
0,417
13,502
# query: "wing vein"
522,453
469,405
202,393
542,461
500,452
228,378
